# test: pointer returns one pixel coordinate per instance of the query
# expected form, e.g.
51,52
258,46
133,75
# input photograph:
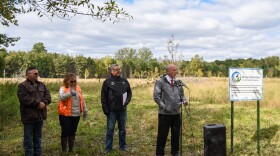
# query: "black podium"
214,140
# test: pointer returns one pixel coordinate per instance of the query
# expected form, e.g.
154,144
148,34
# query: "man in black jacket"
115,96
33,96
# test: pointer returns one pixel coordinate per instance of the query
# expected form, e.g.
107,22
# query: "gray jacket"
168,97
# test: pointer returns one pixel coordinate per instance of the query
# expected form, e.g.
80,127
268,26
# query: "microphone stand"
189,96
181,130
181,115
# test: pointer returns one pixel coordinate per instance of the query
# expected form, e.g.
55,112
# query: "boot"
71,143
64,144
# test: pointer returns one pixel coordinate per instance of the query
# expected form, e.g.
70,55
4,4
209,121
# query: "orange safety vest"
65,107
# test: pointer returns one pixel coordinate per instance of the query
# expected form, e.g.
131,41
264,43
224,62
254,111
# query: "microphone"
180,83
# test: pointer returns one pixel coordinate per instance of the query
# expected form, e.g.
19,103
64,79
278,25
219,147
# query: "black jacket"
30,95
112,92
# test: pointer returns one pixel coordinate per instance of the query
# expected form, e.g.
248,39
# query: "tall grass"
9,106
209,104
215,91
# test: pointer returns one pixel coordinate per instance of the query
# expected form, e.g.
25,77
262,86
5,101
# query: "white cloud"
217,29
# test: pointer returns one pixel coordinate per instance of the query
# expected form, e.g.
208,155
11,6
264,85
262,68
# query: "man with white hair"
169,98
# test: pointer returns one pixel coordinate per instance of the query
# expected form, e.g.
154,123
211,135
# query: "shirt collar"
169,79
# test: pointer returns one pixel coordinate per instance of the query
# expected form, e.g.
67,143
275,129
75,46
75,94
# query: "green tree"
125,54
44,63
145,54
212,69
154,68
91,66
39,48
142,67
108,61
270,64
7,41
39,57
222,70
65,9
101,70
60,63
70,64
14,64
3,54
86,73
247,64
183,68
81,65
196,66
125,58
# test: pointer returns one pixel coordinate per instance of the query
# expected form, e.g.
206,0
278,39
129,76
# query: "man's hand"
183,103
42,105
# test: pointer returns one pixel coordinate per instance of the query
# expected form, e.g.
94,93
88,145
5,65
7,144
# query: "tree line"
135,64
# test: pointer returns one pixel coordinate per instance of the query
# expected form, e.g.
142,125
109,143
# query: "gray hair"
168,66
112,66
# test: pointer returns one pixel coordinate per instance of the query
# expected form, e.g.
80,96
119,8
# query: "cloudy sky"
213,29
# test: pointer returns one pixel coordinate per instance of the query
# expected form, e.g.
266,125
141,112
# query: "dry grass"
206,90
209,104
133,82
215,91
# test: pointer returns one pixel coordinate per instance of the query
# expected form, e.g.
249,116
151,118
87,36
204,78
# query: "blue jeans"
32,138
111,121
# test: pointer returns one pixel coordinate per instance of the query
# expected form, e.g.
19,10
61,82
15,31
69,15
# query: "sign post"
232,125
245,84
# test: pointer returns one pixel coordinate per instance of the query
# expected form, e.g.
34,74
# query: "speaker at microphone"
180,83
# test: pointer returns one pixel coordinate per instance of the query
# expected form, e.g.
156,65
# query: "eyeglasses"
34,73
73,81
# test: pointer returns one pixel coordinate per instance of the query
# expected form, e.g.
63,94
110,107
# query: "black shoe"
107,151
124,149
175,154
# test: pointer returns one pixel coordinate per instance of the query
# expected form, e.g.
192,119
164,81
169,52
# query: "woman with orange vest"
70,108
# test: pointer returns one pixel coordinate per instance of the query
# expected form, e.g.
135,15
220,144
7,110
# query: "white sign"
245,84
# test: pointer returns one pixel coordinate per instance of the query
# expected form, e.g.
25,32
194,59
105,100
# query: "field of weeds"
209,105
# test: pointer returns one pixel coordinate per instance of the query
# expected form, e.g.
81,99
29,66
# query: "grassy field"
209,105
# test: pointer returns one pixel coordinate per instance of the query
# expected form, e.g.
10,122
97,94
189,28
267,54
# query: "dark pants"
164,123
69,125
111,121
32,138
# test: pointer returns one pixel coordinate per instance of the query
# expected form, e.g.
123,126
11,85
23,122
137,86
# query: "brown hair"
68,77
